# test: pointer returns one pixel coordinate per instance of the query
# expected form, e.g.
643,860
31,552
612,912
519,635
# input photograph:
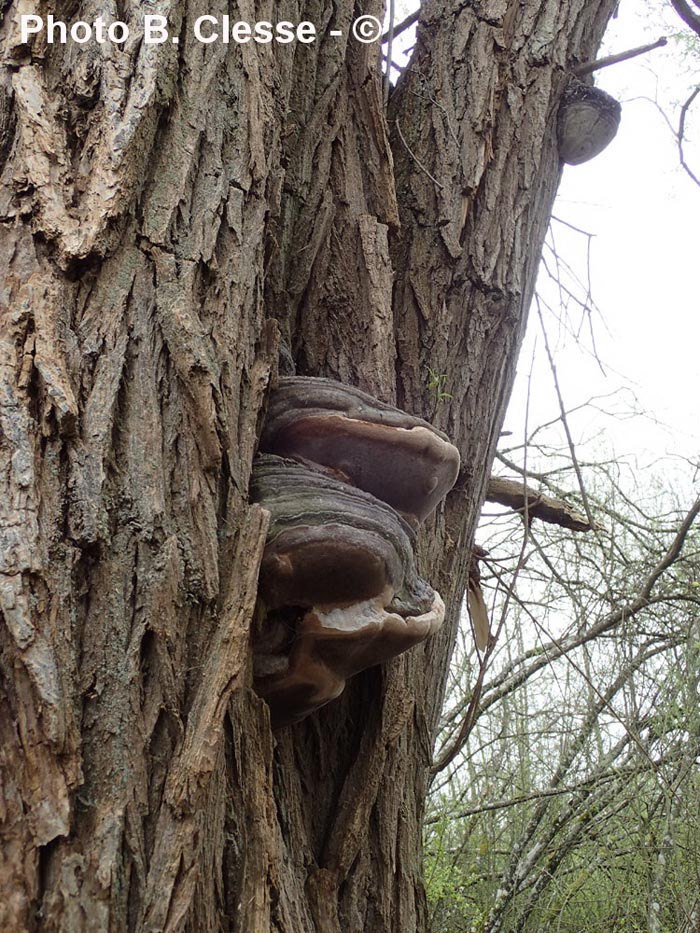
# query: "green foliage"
575,806
602,886
436,384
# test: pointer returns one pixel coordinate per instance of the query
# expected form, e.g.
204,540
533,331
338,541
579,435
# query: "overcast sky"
645,256
644,212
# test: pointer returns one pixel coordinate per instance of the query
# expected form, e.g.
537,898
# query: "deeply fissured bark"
167,212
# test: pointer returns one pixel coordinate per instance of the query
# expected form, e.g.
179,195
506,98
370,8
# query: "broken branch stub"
515,495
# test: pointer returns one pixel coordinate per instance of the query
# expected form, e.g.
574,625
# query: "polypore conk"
587,122
339,585
400,459
332,645
330,543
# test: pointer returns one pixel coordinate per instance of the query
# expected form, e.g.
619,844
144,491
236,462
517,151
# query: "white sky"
645,256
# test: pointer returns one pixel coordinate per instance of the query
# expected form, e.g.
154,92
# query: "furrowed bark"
161,207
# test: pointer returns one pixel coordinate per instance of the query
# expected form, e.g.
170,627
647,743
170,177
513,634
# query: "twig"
448,754
394,64
402,27
389,47
565,423
678,134
628,771
415,157
508,680
566,223
681,134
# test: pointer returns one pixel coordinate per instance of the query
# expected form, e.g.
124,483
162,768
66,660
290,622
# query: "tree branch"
689,17
402,27
389,48
589,67
681,134
514,495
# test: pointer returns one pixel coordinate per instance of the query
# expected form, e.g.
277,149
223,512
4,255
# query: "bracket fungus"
587,122
400,459
338,586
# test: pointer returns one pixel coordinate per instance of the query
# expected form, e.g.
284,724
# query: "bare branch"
564,421
402,27
681,134
389,49
612,774
689,17
589,67
514,495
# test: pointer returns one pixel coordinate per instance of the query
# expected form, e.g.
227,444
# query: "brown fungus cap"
330,645
330,543
400,459
339,587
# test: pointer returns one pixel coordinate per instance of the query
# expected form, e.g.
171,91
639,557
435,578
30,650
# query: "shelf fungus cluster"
587,122
347,480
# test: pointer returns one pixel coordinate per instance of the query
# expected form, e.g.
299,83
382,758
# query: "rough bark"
165,213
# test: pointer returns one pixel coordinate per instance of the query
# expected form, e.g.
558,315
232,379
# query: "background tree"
169,213
571,798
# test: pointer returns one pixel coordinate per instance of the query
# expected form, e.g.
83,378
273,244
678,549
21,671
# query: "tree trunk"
168,213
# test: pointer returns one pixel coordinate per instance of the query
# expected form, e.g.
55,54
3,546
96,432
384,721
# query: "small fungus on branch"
587,122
